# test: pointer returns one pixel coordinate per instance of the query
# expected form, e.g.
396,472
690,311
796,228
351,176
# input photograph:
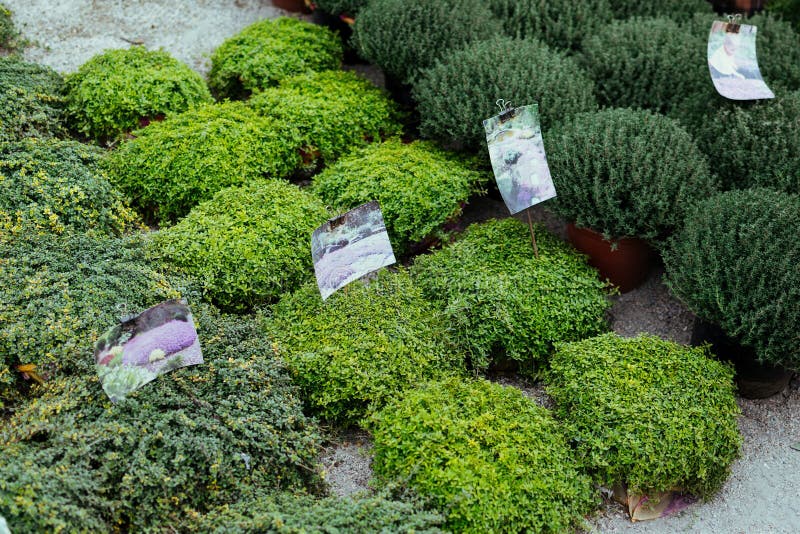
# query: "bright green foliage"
31,101
268,51
57,184
490,458
346,7
627,173
419,187
674,9
191,440
114,91
58,294
403,37
335,112
735,264
647,412
247,245
173,165
363,346
502,302
457,95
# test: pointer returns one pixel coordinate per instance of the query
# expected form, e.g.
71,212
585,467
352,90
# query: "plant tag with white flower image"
733,62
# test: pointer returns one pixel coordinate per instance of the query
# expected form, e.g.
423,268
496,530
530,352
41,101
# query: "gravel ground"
763,492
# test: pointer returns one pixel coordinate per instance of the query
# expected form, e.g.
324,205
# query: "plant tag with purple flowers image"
134,352
733,62
350,246
520,166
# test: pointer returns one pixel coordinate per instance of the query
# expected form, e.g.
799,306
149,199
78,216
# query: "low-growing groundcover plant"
735,264
192,440
54,184
627,173
488,457
362,347
268,51
460,92
9,35
171,166
335,112
248,245
116,90
502,302
419,186
32,101
648,413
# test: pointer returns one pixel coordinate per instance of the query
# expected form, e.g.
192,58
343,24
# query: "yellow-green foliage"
9,36
31,101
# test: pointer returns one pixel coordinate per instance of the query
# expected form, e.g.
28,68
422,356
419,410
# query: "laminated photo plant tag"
517,153
136,351
733,63
350,246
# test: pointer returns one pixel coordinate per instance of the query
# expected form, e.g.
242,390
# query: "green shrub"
490,458
420,187
501,302
193,439
403,37
363,346
335,111
173,165
458,94
31,101
627,173
247,245
268,51
735,265
646,412
57,184
675,9
787,9
115,91
336,7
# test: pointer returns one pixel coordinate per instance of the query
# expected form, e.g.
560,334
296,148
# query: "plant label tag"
350,246
516,149
733,63
136,351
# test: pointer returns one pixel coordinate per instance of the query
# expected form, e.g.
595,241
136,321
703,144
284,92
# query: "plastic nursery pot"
295,6
625,262
754,380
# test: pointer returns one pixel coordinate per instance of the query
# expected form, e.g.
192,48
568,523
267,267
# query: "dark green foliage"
787,9
171,166
31,101
419,187
191,440
627,173
490,458
502,302
54,184
363,346
247,245
457,95
647,412
335,112
345,7
674,9
403,37
114,91
268,51
735,264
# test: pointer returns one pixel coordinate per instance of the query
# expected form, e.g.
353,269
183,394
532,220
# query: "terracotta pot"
754,380
625,262
295,6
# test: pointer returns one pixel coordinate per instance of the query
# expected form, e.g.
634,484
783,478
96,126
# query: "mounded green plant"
503,303
787,9
118,90
419,186
674,9
490,458
460,92
734,264
363,346
627,173
193,439
31,101
248,245
268,51
403,37
648,413
53,184
171,166
335,112
341,7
